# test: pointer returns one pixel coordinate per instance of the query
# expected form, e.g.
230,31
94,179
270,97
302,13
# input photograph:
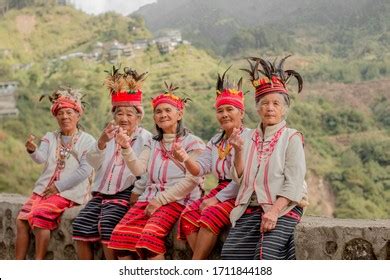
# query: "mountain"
44,32
212,24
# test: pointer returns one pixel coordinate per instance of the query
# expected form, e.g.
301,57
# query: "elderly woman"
111,190
168,187
64,180
270,167
202,221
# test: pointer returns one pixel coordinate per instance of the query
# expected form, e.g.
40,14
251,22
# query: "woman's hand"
208,202
179,153
236,141
122,138
268,221
133,198
152,207
30,144
50,190
108,133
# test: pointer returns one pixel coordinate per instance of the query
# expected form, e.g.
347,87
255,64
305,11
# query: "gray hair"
116,108
286,103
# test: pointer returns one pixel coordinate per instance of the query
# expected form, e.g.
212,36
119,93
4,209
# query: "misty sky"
124,7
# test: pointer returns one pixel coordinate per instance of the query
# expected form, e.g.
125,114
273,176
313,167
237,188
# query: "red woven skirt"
214,218
44,212
142,234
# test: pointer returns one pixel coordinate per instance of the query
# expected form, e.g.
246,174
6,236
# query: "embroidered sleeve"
41,154
140,185
77,177
137,165
294,170
229,192
95,156
205,160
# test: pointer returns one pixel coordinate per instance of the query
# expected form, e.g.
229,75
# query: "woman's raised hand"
235,140
108,133
122,138
179,153
30,144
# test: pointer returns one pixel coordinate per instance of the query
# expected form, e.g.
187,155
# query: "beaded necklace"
223,152
63,150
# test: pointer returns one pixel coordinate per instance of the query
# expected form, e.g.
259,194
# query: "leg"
274,245
157,257
86,230
42,238
84,250
108,252
22,239
204,244
112,211
156,229
243,238
191,239
125,255
212,220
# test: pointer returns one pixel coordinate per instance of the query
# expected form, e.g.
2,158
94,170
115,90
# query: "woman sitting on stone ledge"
270,167
64,180
114,182
202,221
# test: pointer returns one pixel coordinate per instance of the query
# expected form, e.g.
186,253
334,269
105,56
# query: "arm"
138,189
95,156
269,219
182,188
82,173
137,165
192,166
294,171
292,190
41,154
238,145
229,192
140,185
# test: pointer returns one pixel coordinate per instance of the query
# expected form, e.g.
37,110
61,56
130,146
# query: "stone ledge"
316,237
342,239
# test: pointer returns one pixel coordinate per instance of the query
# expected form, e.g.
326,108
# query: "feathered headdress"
125,88
274,79
65,97
169,97
227,93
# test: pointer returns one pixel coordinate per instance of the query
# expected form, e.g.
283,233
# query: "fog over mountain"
123,7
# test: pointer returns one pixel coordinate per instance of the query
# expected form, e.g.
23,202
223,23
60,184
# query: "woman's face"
127,118
229,117
166,117
271,109
67,119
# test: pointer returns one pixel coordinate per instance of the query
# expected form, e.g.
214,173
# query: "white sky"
124,7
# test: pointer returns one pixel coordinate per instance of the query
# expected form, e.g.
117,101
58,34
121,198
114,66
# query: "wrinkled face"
67,119
127,118
271,109
166,117
229,117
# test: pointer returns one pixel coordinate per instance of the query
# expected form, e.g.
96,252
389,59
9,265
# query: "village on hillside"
110,51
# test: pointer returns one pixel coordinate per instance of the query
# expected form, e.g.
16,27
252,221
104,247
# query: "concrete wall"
316,237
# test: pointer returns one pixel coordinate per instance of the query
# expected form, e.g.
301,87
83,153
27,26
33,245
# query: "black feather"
293,73
239,84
